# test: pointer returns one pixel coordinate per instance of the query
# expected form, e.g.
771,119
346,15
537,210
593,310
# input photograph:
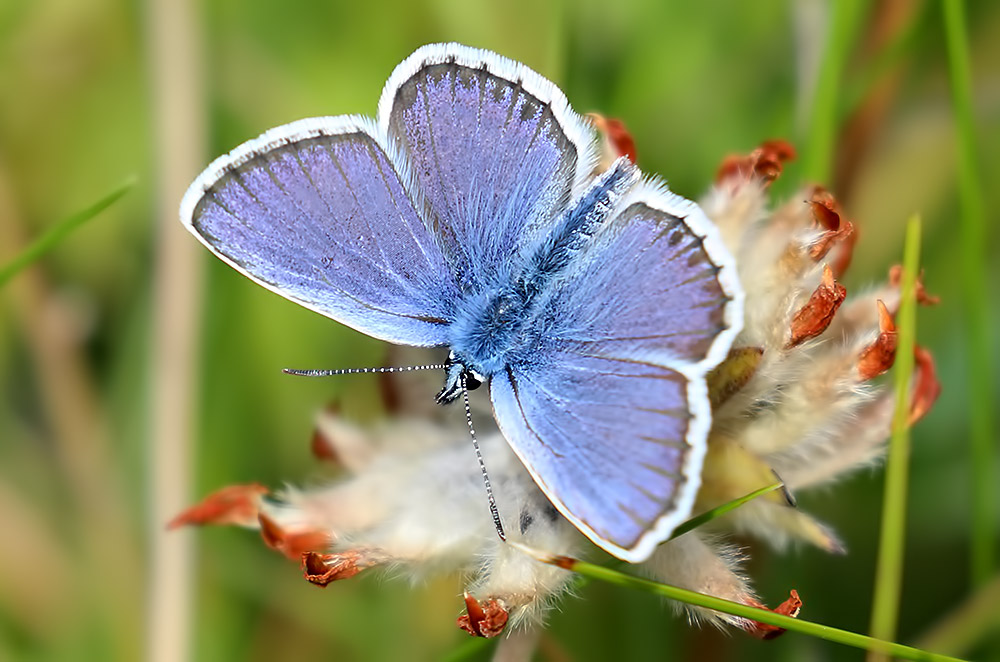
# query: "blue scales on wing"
320,215
608,407
494,150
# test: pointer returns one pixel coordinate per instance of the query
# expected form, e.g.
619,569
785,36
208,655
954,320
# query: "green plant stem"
60,230
708,516
824,115
974,242
892,56
736,609
889,568
468,650
719,511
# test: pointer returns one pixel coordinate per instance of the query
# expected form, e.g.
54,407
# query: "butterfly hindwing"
606,440
655,282
609,411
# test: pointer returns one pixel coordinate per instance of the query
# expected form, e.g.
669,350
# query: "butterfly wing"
608,409
494,147
317,211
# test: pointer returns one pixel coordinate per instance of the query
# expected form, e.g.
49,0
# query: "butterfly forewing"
317,212
493,148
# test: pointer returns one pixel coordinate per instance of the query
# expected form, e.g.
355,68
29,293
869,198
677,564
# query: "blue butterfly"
468,215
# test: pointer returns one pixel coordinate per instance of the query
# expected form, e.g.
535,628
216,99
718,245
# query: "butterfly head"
458,376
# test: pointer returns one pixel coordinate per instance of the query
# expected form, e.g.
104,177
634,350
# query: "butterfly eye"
473,380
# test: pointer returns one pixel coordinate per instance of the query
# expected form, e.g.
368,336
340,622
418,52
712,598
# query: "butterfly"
467,215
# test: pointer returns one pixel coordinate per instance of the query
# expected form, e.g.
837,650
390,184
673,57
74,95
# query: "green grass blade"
889,569
719,511
973,240
468,650
825,112
59,232
708,516
836,635
892,56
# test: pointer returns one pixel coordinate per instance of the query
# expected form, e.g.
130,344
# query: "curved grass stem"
974,244
836,635
889,569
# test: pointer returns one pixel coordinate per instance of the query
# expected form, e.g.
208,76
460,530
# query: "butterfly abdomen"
489,330
576,226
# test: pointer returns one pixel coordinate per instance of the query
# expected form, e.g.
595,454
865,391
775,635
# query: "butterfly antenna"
482,465
360,371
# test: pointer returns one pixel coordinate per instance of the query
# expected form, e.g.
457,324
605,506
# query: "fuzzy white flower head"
793,400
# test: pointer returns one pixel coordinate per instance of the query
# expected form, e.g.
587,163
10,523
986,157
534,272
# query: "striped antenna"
360,371
482,464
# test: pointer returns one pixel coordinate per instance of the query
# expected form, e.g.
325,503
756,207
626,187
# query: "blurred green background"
104,340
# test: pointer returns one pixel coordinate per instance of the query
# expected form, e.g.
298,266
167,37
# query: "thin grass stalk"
826,632
889,568
893,55
719,511
175,66
974,243
825,112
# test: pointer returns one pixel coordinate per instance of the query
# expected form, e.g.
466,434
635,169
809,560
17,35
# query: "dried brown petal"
235,505
896,278
927,388
824,197
825,208
733,374
880,355
824,215
293,544
790,607
831,238
765,163
829,216
779,150
617,139
322,569
483,619
845,242
815,316
322,449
